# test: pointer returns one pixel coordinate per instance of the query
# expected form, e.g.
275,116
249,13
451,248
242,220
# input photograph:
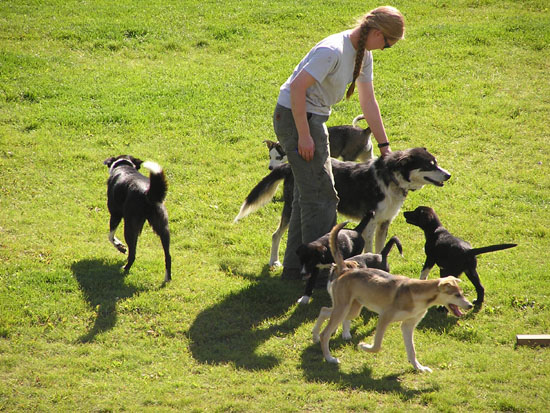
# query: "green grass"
192,86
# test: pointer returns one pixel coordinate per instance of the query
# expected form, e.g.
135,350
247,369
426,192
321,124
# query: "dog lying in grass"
395,298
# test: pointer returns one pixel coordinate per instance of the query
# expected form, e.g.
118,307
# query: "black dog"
350,243
380,261
453,255
136,198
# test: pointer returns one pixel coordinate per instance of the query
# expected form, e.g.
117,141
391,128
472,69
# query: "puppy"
394,297
350,242
452,254
380,261
136,198
348,142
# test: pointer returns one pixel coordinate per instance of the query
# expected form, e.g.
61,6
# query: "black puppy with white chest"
350,243
136,198
452,255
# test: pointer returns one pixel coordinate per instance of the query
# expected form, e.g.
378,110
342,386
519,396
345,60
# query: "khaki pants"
315,199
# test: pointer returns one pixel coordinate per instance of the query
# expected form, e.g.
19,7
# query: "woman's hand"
306,147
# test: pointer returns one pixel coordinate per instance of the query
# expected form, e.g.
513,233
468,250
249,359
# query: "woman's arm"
371,111
298,87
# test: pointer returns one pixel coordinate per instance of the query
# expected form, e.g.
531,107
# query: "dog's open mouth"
455,310
433,182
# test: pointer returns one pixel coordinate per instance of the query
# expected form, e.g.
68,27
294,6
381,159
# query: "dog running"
452,255
349,142
350,243
394,297
135,198
380,185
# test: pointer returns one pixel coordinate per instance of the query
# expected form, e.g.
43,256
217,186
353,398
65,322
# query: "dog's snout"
446,174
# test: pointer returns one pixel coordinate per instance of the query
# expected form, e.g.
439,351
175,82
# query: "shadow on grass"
316,369
231,331
102,285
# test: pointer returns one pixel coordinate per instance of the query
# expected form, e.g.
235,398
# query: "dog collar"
121,161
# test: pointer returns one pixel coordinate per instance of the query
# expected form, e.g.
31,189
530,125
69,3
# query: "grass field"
192,86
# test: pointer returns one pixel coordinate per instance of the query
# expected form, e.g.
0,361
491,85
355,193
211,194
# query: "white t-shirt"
331,63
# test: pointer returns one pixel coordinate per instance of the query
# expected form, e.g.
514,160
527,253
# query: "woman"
304,105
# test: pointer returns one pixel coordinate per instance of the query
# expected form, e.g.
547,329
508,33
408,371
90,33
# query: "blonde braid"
391,24
359,57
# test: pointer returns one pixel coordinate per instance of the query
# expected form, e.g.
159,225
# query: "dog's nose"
446,174
270,167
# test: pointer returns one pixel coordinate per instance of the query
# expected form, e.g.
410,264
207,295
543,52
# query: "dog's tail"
158,185
357,119
388,247
364,222
490,248
336,254
264,191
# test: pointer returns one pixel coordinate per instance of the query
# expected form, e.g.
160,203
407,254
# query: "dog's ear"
109,161
137,162
270,144
449,283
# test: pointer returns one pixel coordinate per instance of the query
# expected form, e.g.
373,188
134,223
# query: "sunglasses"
386,44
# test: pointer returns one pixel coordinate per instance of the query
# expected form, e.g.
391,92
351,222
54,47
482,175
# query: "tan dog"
393,297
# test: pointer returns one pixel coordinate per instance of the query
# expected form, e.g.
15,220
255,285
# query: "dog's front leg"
381,234
407,329
428,265
368,236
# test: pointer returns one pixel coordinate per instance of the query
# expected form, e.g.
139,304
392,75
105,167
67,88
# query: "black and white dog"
380,185
350,243
136,198
349,142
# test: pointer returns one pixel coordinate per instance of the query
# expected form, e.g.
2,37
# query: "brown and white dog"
395,298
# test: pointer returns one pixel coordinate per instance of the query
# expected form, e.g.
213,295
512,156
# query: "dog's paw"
316,337
275,264
367,347
304,299
346,335
332,360
423,369
121,248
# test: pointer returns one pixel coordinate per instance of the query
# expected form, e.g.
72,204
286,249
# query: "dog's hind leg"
132,229
277,235
346,324
407,330
324,315
383,321
113,225
160,226
165,240
473,276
